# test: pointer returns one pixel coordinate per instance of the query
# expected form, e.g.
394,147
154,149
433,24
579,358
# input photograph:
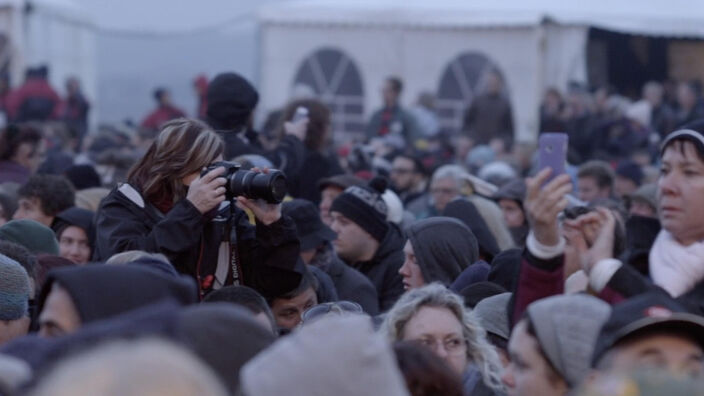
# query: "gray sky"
148,43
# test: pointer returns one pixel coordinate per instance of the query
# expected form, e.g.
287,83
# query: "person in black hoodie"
72,297
167,207
438,250
76,234
231,102
366,241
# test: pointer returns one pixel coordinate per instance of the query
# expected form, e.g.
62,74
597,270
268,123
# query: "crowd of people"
413,262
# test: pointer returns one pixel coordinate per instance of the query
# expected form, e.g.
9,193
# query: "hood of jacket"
104,291
444,247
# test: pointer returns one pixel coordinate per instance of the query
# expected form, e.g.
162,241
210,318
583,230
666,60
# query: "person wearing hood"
438,250
72,297
366,241
231,102
76,234
510,198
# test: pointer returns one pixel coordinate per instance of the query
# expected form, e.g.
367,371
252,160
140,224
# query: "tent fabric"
672,18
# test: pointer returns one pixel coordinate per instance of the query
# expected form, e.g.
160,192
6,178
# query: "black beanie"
231,100
365,207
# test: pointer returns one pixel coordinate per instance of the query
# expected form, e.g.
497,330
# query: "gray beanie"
567,328
341,356
14,289
493,314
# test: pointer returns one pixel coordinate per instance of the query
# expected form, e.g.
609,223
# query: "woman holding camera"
167,207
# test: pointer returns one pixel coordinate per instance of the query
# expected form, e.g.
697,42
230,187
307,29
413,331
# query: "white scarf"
674,267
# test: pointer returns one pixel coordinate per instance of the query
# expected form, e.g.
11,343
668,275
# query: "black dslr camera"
270,187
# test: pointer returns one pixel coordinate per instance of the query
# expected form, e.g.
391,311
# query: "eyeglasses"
452,345
338,308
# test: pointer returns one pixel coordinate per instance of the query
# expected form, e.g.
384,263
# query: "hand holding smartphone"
552,153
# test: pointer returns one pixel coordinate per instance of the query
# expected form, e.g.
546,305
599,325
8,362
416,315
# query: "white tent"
443,46
53,32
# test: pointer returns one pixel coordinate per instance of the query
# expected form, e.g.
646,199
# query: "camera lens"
270,187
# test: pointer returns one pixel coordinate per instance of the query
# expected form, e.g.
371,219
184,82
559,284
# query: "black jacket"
315,167
382,270
350,284
288,156
268,254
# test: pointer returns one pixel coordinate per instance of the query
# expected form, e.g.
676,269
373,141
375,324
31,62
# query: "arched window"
335,80
463,79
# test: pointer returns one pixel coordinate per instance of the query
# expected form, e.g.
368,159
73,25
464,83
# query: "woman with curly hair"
436,317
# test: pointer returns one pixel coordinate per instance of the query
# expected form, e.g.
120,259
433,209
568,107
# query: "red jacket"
160,116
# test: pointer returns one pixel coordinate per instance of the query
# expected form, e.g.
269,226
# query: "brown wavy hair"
318,122
183,147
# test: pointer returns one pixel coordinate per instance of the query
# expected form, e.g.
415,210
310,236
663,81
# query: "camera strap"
235,267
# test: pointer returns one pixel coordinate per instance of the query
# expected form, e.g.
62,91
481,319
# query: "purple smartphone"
552,153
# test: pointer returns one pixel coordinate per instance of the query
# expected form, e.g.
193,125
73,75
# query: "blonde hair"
132,368
479,350
183,147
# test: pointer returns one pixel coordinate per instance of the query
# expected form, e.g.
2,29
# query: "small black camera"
270,187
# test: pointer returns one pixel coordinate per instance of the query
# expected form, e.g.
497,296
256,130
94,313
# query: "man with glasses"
408,178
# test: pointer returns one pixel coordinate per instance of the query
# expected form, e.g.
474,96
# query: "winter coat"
191,241
288,156
35,100
444,247
351,285
161,115
401,123
488,117
315,167
383,268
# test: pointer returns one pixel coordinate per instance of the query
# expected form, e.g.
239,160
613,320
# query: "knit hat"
14,289
365,207
692,135
36,237
631,171
567,328
83,176
208,329
479,291
340,356
646,193
231,100
493,315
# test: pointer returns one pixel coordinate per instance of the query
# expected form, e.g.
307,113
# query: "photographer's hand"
208,191
265,212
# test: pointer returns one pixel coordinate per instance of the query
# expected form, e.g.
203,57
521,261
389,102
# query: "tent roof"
683,18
